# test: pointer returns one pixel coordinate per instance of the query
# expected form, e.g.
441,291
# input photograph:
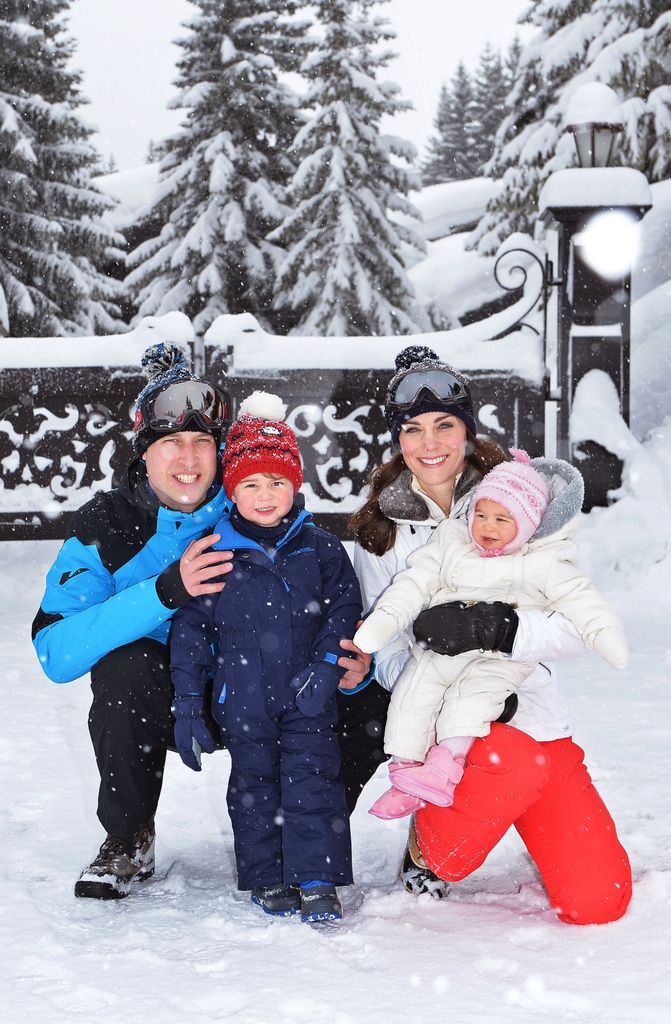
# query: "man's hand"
457,627
357,667
198,566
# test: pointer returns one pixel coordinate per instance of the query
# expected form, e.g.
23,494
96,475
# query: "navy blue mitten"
191,733
315,686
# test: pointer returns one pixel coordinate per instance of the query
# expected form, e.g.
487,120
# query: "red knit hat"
521,490
261,442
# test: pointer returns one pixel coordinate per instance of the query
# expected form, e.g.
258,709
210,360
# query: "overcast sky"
127,55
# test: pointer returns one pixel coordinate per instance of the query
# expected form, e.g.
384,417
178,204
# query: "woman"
531,775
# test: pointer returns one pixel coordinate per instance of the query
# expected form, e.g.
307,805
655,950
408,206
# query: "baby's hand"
378,629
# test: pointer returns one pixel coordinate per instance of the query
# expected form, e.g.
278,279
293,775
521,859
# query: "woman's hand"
357,666
457,627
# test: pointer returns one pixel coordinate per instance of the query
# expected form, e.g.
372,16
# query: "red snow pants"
545,791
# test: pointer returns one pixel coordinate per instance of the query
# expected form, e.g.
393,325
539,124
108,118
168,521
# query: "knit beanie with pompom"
164,364
521,490
418,358
261,442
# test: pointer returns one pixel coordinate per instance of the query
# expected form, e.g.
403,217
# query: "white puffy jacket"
542,636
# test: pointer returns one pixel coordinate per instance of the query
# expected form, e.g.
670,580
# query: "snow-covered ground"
187,945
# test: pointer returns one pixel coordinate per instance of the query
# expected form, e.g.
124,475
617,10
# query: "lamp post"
592,213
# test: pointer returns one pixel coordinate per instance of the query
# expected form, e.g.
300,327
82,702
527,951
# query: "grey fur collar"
400,503
567,490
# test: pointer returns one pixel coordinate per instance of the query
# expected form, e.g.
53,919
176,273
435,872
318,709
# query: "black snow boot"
320,903
279,900
416,876
119,863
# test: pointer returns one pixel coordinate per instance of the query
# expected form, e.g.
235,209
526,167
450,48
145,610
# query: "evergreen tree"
491,85
453,151
623,43
222,173
53,240
344,273
511,63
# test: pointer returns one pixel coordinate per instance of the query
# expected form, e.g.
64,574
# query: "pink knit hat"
521,490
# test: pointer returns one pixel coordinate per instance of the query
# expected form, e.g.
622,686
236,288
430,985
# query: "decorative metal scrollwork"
505,269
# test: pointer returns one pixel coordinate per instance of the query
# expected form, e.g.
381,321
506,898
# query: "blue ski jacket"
105,588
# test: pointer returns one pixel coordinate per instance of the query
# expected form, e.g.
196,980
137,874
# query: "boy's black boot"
320,903
279,900
119,863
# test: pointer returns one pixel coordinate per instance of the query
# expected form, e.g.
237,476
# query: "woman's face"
433,447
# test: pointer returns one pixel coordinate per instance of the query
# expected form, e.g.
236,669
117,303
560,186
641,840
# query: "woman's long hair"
373,530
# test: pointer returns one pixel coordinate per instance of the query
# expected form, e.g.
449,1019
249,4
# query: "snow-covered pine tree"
53,240
453,152
222,174
345,270
491,85
623,43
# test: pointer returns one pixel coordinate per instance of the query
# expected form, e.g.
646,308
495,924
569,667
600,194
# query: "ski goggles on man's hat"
440,382
170,409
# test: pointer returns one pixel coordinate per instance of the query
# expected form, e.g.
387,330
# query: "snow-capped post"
592,214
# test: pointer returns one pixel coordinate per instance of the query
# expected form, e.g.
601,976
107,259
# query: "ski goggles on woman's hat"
441,383
170,409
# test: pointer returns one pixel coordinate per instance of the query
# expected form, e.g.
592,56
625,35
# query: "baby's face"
493,526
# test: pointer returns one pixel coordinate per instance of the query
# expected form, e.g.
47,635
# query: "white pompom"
263,405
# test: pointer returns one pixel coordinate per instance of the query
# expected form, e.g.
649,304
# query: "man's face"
181,467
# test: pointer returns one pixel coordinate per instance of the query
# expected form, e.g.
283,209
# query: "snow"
455,279
112,350
593,103
450,206
133,189
474,347
583,187
187,944
653,266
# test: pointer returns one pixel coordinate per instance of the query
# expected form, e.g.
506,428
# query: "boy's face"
264,498
493,526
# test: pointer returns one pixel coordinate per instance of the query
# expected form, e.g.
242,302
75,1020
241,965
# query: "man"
135,555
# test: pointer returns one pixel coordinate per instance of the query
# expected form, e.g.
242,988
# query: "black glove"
458,627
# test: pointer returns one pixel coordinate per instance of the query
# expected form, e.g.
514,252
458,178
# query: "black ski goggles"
170,409
441,383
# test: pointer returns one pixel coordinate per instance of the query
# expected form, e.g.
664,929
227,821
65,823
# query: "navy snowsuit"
280,611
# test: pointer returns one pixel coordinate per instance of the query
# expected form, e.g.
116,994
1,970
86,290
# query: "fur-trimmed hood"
567,491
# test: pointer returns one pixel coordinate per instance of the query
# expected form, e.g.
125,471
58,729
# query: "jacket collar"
403,501
233,540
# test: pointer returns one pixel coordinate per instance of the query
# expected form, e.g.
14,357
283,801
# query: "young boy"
270,640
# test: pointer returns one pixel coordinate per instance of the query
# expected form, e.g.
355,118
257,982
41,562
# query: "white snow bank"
112,350
650,359
133,189
584,187
631,538
454,279
653,266
450,206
